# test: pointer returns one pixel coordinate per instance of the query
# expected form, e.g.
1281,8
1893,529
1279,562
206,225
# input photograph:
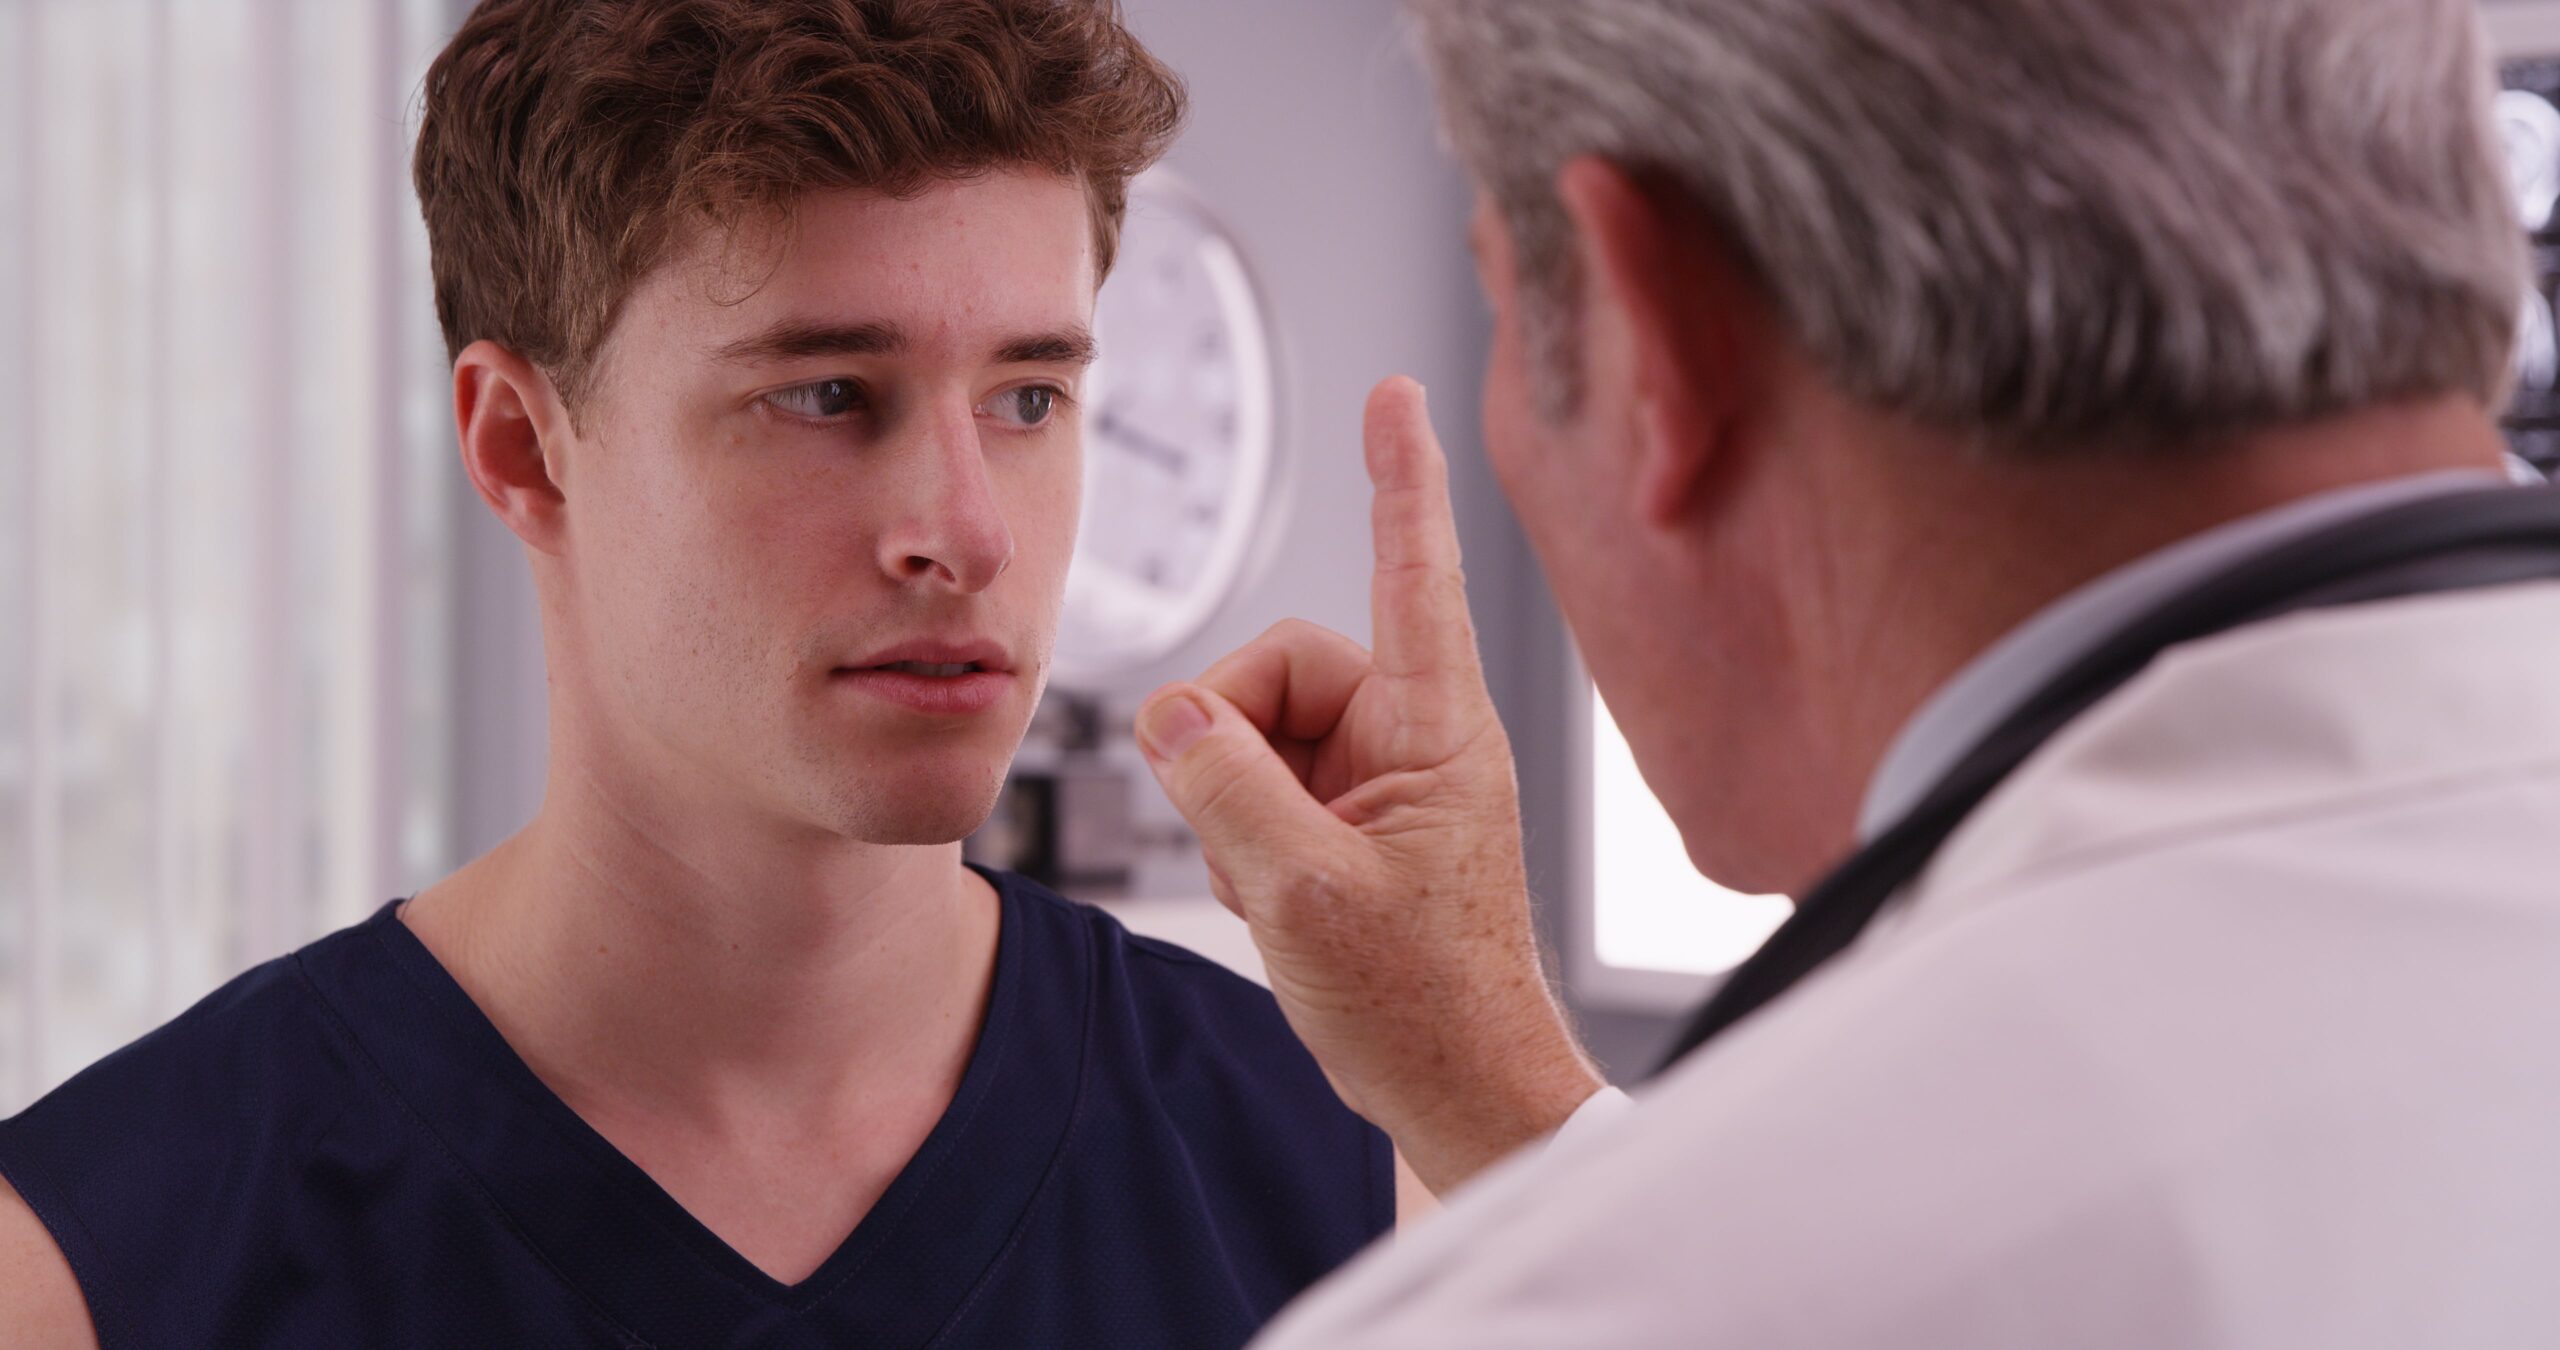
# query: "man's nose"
950,532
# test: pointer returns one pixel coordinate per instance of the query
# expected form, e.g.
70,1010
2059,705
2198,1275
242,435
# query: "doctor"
2042,451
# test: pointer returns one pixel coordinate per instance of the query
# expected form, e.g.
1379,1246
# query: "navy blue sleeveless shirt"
338,1150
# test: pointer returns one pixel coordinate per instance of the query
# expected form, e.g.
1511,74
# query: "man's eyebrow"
1065,347
794,339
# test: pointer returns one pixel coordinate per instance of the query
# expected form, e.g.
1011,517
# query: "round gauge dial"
2529,130
2537,366
1178,439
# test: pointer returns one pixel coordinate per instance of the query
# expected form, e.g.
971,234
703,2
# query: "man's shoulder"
2098,1087
40,1300
248,1021
1189,1019
1128,960
183,1100
106,1162
1183,1053
2343,713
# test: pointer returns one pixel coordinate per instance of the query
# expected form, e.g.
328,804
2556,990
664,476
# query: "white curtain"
224,500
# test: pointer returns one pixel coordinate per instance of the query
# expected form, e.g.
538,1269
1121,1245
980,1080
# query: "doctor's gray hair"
2048,223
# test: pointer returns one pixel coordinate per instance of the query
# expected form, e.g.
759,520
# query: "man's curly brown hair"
568,145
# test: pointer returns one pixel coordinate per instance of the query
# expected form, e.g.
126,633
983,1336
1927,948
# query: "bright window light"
1651,910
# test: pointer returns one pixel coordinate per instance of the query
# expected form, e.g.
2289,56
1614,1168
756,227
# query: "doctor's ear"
513,426
1687,331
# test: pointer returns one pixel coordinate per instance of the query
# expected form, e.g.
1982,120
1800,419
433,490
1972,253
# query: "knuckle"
1449,583
1299,635
1220,774
1214,801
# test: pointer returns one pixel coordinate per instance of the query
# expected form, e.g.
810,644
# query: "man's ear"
1689,321
513,427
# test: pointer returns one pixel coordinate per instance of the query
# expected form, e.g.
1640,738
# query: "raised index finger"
1418,599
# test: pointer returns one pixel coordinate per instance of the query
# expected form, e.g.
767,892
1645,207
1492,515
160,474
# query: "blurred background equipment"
2529,126
1064,817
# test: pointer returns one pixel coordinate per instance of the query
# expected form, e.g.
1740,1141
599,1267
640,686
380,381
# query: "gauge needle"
1162,453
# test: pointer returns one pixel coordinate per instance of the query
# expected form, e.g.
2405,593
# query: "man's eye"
820,401
1028,406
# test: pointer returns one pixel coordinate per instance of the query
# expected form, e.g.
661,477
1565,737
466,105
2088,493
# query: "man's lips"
938,679
935,657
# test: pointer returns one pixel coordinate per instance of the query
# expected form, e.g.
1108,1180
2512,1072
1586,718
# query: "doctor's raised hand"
1359,810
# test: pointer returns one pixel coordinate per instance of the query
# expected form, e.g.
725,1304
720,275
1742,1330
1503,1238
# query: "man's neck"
1908,554
717,972
767,1021
1952,552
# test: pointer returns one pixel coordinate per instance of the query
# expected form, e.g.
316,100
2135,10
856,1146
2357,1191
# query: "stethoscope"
2467,540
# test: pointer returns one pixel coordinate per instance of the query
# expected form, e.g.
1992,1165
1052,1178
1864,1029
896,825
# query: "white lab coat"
2231,1020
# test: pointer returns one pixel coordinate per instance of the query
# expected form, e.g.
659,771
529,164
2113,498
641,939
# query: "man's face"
822,503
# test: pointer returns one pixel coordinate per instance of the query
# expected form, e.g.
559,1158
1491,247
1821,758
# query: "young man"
769,319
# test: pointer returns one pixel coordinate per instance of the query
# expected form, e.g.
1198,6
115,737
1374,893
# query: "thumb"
1221,773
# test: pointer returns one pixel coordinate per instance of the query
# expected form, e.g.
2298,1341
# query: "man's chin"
920,828
915,808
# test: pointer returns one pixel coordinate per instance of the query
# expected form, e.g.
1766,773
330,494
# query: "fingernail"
1173,725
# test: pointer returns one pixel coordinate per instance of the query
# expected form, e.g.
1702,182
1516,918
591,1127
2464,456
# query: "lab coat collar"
1994,684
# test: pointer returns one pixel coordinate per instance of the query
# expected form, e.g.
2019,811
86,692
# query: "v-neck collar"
617,1239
